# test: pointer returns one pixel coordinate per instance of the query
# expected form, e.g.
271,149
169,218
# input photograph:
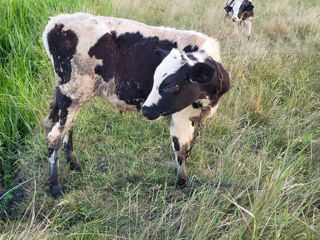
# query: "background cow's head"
239,8
179,80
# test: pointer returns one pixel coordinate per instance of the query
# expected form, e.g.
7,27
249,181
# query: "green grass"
264,139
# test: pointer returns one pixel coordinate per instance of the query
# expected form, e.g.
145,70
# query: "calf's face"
178,82
239,9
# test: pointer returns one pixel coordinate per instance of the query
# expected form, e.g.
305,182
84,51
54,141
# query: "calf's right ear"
249,7
201,73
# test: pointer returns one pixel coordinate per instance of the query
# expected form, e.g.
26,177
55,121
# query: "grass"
264,139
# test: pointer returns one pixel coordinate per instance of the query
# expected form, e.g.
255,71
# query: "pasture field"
254,172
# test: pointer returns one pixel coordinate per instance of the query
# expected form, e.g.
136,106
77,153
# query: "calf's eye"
169,88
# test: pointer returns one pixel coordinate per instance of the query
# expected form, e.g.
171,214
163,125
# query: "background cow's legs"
181,131
225,17
248,30
235,25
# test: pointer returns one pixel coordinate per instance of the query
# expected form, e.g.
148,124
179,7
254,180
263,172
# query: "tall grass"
264,139
22,63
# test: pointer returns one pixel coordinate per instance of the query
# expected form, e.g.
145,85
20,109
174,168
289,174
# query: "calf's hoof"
56,191
181,182
74,164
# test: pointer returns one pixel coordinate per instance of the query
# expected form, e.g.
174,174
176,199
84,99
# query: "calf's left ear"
201,73
228,8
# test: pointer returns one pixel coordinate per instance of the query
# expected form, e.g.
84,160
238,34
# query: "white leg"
235,24
181,131
225,16
236,28
248,33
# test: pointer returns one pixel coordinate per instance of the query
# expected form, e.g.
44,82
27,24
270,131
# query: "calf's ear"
161,53
201,73
228,8
249,7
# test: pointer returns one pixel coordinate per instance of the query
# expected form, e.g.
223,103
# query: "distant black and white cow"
159,71
240,11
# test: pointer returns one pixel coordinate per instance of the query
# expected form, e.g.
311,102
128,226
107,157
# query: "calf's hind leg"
70,156
59,125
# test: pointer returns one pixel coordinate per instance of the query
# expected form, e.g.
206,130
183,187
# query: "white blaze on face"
236,8
169,65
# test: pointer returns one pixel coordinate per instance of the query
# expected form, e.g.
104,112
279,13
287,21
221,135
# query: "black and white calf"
240,11
160,71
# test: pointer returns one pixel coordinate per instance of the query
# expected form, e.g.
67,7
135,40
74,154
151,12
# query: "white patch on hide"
52,159
66,139
170,65
181,127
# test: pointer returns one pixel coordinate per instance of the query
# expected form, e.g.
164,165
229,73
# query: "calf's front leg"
248,30
181,131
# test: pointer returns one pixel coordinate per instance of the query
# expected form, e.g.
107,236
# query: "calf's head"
239,8
179,80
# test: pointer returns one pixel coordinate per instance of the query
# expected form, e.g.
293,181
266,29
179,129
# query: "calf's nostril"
150,114
144,111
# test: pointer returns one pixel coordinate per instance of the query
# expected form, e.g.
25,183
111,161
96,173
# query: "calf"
156,70
240,11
